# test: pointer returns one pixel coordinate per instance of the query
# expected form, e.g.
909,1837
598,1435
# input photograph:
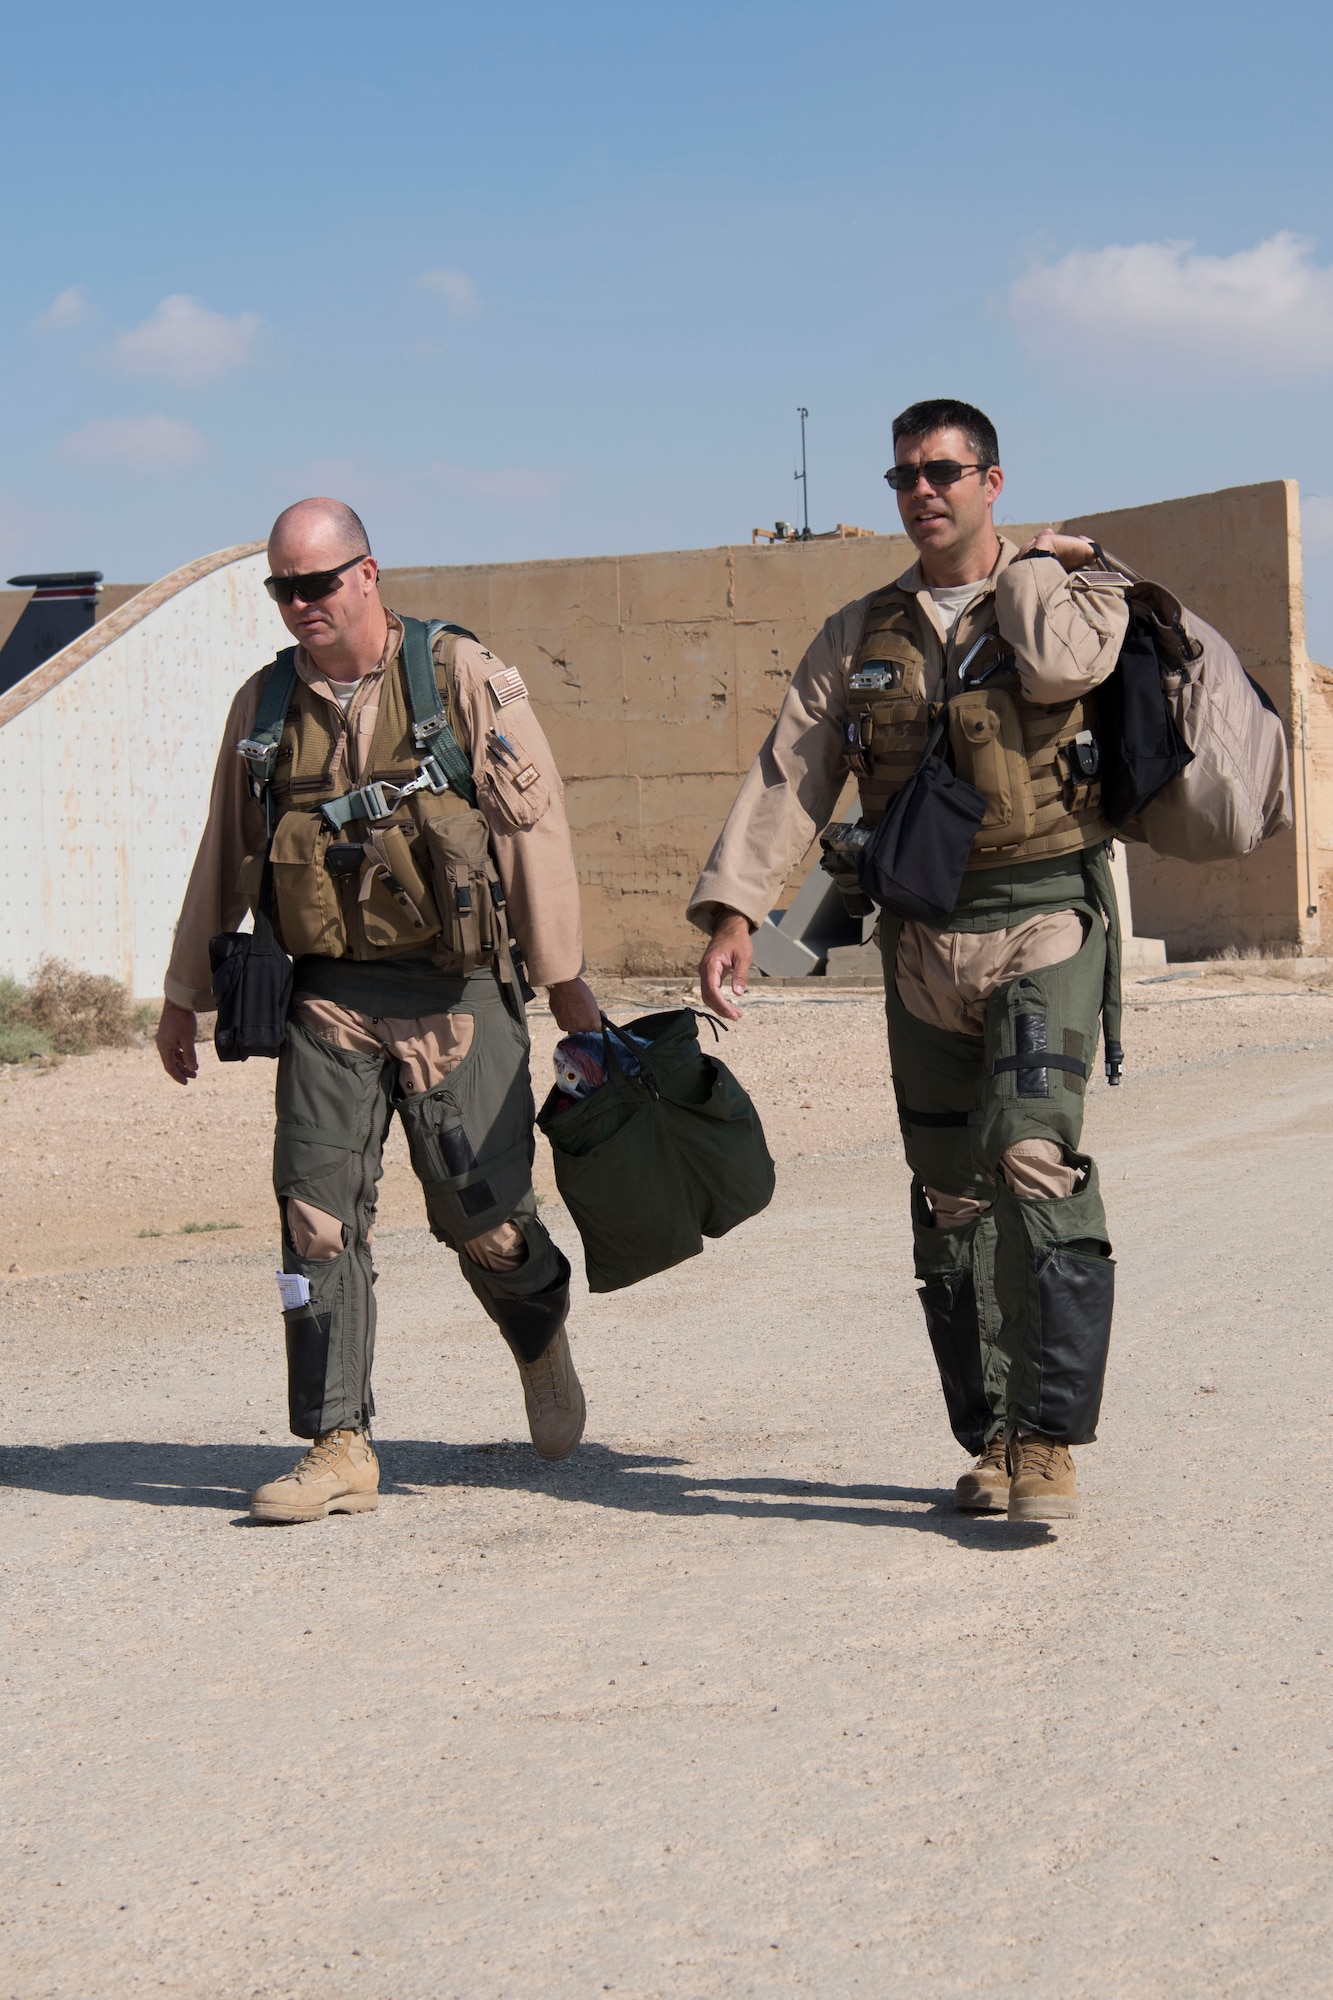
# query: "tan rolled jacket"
1066,631
535,862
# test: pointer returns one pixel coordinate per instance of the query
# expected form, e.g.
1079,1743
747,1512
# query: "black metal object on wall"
63,605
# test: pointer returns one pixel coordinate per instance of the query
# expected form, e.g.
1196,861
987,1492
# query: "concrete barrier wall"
658,677
106,761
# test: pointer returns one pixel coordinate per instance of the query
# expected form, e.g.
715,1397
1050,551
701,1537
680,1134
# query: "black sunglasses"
939,471
310,588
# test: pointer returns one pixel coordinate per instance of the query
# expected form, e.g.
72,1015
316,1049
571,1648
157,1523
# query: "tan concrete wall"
658,677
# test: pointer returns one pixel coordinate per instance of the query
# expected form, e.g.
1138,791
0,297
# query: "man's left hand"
574,1007
1074,551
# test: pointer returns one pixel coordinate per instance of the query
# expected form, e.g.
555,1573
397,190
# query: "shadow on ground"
222,1476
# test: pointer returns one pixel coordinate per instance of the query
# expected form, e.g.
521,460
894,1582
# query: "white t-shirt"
953,600
344,690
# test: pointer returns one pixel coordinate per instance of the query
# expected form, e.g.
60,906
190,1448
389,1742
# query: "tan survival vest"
397,865
1036,764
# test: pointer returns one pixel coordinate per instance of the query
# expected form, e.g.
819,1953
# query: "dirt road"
732,1704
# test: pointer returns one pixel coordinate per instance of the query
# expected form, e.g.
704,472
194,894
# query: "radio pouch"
914,860
252,984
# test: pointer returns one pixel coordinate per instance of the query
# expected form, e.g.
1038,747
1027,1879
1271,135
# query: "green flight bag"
649,1165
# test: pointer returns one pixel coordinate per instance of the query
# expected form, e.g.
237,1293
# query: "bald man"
400,788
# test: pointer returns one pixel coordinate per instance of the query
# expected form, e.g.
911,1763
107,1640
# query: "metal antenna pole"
803,413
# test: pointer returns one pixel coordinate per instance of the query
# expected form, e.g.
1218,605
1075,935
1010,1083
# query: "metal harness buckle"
381,799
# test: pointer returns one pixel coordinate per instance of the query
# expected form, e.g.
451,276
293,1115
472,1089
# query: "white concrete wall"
106,772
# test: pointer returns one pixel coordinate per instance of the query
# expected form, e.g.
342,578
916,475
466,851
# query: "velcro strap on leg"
1040,1059
481,1169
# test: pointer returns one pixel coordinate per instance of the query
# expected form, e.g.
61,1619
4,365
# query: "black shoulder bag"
913,862
252,984
252,974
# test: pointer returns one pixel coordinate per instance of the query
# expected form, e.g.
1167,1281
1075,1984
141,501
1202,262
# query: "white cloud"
456,287
1268,309
515,483
143,444
186,343
67,309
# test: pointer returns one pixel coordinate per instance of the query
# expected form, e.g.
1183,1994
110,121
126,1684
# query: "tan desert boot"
1041,1484
554,1398
340,1474
985,1489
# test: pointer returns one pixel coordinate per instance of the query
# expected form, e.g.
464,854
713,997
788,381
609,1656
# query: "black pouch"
252,984
914,860
1142,748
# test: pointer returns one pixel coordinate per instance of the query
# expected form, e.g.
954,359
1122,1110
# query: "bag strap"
260,747
1097,869
610,1033
264,939
430,721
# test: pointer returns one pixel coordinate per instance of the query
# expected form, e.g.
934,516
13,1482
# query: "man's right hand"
730,951
175,1042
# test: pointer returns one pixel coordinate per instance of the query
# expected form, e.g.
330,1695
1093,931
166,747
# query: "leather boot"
340,1474
985,1489
554,1398
1041,1481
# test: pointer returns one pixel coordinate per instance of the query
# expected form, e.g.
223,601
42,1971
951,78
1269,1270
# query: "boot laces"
549,1389
1038,1453
322,1456
993,1457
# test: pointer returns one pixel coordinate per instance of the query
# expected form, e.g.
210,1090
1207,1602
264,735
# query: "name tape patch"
507,686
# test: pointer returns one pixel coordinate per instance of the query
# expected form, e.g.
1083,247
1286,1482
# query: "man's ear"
994,483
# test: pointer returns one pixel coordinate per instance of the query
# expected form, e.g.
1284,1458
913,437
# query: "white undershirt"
952,600
343,692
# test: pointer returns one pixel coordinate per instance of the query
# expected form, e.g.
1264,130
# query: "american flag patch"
507,686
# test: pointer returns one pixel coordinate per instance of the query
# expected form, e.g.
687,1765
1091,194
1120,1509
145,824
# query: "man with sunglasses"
993,1017
385,789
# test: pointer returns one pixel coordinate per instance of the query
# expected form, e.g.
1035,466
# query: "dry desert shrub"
75,1011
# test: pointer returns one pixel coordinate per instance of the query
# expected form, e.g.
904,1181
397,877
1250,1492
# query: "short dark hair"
942,413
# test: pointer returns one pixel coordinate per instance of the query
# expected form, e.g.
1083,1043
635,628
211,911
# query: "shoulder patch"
507,686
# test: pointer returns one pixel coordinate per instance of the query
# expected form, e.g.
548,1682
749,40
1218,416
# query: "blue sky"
523,282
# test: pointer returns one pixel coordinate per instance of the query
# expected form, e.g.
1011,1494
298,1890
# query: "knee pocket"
470,1137
1039,1169
313,1233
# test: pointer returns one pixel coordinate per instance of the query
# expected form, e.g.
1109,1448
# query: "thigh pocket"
471,1137
327,1106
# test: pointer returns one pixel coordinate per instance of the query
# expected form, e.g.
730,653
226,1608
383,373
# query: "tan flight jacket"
535,861
1066,631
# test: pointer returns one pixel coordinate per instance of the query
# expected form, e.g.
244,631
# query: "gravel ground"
845,1740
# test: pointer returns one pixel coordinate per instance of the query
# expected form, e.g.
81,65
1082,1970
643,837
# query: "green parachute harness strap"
260,747
444,766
